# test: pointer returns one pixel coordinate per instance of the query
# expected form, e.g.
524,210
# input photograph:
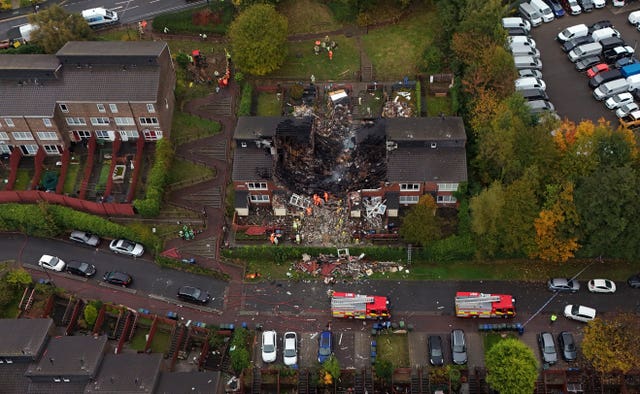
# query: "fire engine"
473,304
357,306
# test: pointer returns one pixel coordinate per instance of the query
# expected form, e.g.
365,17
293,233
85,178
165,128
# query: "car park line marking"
183,304
115,287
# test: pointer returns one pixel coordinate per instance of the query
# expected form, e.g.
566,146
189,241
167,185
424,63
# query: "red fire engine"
472,304
357,306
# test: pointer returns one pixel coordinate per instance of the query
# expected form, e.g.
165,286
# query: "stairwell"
122,323
256,384
368,380
415,382
424,381
303,382
358,383
176,340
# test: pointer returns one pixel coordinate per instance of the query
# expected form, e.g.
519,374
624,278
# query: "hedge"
192,268
150,206
418,99
244,109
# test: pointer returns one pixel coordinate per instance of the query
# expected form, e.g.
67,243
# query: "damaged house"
377,166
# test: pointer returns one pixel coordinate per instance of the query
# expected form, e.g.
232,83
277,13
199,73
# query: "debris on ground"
342,265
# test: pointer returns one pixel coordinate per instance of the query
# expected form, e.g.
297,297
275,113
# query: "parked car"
534,94
269,346
568,46
634,18
618,3
556,7
599,3
530,83
567,346
571,7
84,238
325,346
436,356
600,25
458,347
614,54
547,348
634,281
118,278
626,61
51,263
601,286
598,68
193,294
124,246
290,348
540,106
582,65
516,22
604,77
81,268
573,32
521,40
517,31
619,99
587,5
563,284
529,72
579,313
626,109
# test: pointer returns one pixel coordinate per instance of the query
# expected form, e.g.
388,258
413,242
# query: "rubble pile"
344,266
399,106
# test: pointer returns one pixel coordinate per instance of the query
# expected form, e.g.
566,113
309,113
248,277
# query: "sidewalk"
24,11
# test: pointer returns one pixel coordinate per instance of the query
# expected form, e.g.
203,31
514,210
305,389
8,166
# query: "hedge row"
244,109
150,206
418,94
192,268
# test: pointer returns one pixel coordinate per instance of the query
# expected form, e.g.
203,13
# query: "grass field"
72,177
268,105
438,105
394,348
186,128
308,16
183,170
23,179
103,178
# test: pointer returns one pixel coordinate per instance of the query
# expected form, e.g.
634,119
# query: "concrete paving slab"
475,350
418,348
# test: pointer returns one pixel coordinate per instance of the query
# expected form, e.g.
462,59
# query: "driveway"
568,89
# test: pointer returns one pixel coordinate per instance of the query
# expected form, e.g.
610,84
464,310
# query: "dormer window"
434,145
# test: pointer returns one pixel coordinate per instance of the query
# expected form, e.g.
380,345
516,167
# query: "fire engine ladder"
347,301
478,300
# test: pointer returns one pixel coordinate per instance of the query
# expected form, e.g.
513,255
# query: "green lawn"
183,170
301,62
23,179
72,177
268,105
394,348
139,340
186,128
438,105
308,16
396,50
105,173
161,342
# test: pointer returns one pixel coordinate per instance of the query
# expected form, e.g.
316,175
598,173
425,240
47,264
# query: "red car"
598,68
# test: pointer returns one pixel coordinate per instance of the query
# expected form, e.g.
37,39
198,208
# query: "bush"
418,95
150,206
240,355
244,109
343,11
90,315
182,59
433,60
167,262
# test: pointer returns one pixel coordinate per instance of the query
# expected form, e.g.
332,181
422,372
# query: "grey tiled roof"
111,52
252,164
127,373
254,127
188,383
430,128
55,388
77,356
23,337
34,65
427,165
12,379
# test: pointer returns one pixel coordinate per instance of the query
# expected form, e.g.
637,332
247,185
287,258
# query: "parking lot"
567,88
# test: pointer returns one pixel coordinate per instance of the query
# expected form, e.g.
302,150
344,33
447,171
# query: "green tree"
521,207
258,38
511,367
421,225
384,370
56,27
18,278
612,345
90,314
486,216
331,367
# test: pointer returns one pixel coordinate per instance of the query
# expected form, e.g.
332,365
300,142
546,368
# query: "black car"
567,346
118,278
569,45
436,356
603,77
634,281
81,268
600,25
193,294
533,94
614,54
584,64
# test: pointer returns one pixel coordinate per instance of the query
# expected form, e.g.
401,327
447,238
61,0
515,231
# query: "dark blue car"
555,6
325,346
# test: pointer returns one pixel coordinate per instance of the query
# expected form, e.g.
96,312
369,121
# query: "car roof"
118,274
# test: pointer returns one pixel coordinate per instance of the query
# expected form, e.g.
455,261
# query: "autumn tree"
258,38
56,27
486,210
511,367
521,207
421,225
612,345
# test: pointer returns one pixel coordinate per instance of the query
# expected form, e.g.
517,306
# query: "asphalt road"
567,88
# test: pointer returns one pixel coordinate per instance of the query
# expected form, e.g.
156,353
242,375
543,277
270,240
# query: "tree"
521,207
421,225
486,211
258,38
56,27
384,370
511,367
18,278
330,371
612,345
90,314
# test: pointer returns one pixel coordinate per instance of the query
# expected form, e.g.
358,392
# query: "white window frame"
103,135
406,200
47,122
63,108
47,135
73,121
100,121
83,133
149,121
128,134
51,149
152,135
151,109
22,136
5,149
127,121
259,198
101,108
446,199
257,186
9,122
113,108
410,187
32,149
448,187
4,136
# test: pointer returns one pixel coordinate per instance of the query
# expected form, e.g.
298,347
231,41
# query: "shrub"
296,91
244,109
183,60
418,95
193,268
150,206
240,356
90,315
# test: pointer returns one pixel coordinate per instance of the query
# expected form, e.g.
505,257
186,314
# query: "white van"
610,88
634,82
521,40
585,50
530,83
527,62
607,32
572,32
515,21
524,50
531,14
634,18
543,9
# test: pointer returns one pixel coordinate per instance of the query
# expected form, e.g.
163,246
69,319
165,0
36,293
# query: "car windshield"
83,267
458,349
575,309
566,32
268,348
53,261
128,245
195,293
436,352
289,350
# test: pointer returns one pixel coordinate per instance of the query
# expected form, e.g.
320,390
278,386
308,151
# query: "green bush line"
158,175
418,99
167,262
244,109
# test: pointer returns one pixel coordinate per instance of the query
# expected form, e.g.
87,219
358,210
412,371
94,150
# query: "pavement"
18,12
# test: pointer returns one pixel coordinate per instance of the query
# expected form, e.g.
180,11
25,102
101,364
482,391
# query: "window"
83,133
102,134
4,149
257,185
409,199
51,149
99,121
9,122
76,121
149,121
4,136
101,108
447,187
46,122
125,121
30,149
152,135
409,186
64,108
113,108
259,198
446,200
126,134
150,108
47,135
22,135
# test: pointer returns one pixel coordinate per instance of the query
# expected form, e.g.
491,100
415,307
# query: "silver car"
547,348
563,284
84,238
458,347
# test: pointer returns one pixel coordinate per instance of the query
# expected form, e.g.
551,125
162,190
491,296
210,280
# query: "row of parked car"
566,342
610,65
538,11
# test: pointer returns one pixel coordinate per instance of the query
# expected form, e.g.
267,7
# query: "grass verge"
72,177
186,128
183,171
268,105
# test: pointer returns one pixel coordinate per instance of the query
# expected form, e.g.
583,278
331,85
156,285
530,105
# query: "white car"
521,40
618,3
51,263
579,313
290,348
269,346
634,18
530,83
127,247
599,3
601,286
626,109
618,100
